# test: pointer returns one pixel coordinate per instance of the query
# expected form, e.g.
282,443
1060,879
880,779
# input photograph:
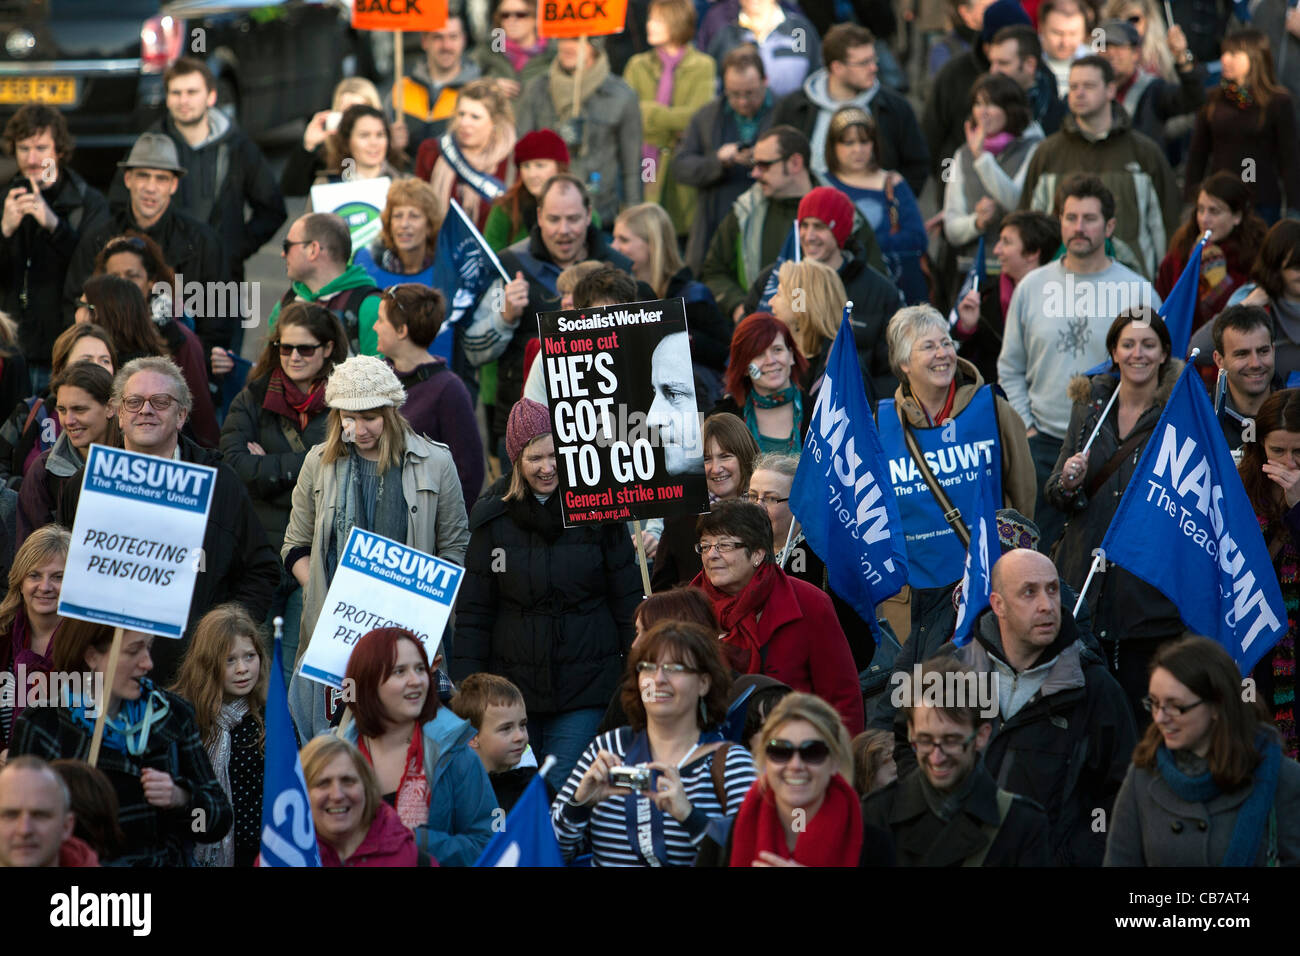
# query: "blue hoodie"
462,802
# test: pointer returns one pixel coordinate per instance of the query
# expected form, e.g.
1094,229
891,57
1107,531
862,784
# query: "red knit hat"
833,208
528,420
541,144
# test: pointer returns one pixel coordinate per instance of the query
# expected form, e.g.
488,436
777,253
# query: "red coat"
804,647
387,843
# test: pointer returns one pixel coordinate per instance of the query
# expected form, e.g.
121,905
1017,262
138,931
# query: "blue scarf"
1253,815
128,732
643,820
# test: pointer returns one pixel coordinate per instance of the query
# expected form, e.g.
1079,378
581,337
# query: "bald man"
1064,731
35,813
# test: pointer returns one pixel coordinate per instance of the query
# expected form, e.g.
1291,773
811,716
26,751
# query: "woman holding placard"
151,751
374,473
419,749
548,607
29,616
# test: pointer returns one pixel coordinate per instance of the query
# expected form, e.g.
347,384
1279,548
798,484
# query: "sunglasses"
767,163
306,351
811,752
515,15
288,244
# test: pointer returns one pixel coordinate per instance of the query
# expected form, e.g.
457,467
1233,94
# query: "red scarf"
833,836
413,793
738,615
285,398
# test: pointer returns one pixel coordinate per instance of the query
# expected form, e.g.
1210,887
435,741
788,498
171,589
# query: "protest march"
675,433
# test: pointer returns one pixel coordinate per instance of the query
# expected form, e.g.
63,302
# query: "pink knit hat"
528,420
833,208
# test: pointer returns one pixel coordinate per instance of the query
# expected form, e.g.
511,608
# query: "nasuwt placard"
621,391
137,541
379,583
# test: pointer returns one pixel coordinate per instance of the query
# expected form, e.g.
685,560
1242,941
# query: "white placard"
358,201
137,541
379,583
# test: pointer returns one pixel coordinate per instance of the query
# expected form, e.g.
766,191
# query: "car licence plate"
51,90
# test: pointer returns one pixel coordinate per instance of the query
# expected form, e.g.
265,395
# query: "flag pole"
640,556
1083,591
1220,391
785,549
546,766
798,253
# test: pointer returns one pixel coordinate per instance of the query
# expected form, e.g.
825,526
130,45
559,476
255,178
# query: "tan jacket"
438,524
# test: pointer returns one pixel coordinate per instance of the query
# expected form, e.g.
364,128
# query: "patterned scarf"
785,446
1238,95
284,398
218,748
413,793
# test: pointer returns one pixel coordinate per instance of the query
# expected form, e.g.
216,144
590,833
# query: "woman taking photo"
151,750
539,155
1209,785
354,827
374,473
29,615
82,393
729,455
1223,208
1270,473
675,695
881,195
224,677
549,608
1129,617
762,382
418,749
1248,123
471,162
361,148
773,624
307,159
408,237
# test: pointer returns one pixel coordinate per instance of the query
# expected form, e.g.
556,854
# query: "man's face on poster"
673,410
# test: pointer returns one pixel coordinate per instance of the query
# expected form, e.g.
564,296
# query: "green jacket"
495,64
353,277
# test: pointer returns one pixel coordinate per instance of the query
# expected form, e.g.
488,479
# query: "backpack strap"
718,770
31,414
1005,800
1117,459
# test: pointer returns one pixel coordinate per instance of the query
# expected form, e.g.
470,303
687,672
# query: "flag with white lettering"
789,253
464,267
1186,527
985,549
528,838
288,831
841,493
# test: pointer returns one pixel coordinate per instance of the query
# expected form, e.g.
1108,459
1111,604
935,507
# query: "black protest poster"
621,393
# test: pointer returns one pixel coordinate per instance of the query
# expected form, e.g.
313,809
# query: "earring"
704,714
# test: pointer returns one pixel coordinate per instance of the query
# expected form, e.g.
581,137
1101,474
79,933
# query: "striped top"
605,823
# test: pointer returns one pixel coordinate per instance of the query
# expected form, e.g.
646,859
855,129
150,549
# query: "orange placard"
579,18
411,16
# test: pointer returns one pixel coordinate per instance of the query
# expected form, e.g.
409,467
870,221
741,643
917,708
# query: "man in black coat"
236,564
951,812
192,248
717,152
47,207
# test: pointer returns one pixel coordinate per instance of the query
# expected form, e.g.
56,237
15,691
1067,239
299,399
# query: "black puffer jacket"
551,608
269,478
1123,605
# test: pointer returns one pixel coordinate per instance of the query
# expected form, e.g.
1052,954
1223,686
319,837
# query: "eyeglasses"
811,752
159,403
1153,706
290,243
755,94
763,499
767,163
83,304
866,61
930,348
952,745
306,351
722,547
670,670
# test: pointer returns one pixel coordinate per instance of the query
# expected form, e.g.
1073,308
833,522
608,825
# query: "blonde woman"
1149,21
810,299
473,162
646,235
372,472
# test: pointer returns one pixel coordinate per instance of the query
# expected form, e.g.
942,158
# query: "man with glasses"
953,813
1064,730
850,79
153,403
717,151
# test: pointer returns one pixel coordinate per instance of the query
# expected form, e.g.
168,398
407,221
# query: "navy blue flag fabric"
528,838
974,280
841,493
464,266
789,253
1186,527
1179,308
984,551
288,833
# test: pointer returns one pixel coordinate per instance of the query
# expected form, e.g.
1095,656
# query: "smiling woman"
28,613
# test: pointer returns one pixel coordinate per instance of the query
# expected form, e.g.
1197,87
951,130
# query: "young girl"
224,675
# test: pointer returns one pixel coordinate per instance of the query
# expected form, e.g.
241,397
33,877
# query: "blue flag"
841,493
1186,527
528,838
1179,309
985,549
464,266
974,281
789,253
288,832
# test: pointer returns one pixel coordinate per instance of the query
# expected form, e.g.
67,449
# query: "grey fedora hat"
153,151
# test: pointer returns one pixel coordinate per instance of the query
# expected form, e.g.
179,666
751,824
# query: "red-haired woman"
419,749
539,155
762,373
